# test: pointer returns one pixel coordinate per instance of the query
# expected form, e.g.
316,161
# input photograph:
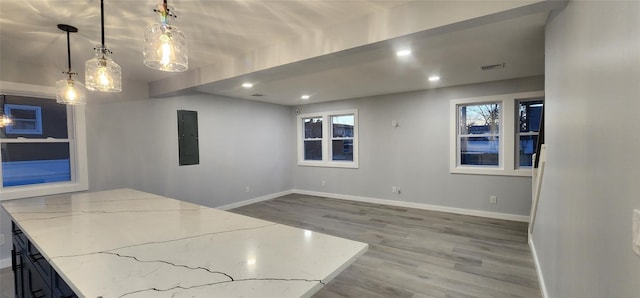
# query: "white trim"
507,160
534,254
27,89
25,140
254,200
5,263
78,146
536,186
487,214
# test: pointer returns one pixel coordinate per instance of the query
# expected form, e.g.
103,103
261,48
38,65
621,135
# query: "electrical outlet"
324,183
493,200
1,239
247,189
394,189
636,231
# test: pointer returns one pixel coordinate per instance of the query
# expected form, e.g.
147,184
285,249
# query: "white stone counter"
127,243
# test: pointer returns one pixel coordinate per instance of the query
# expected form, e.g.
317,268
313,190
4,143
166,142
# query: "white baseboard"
534,253
471,212
255,200
505,216
5,263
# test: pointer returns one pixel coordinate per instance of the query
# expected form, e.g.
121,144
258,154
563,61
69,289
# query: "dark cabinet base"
33,276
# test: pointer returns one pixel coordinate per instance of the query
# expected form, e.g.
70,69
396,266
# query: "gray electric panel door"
188,138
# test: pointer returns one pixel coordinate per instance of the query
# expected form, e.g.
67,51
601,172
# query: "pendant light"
69,91
5,120
101,73
165,46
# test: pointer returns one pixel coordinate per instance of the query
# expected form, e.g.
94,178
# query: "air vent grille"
493,66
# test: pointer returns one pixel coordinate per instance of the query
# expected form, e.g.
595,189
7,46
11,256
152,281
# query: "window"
529,114
495,135
342,137
328,139
43,150
479,137
26,119
312,138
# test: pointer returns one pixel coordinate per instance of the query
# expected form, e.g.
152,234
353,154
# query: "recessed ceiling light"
403,53
434,78
305,96
247,85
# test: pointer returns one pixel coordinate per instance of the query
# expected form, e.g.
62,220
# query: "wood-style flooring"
6,283
412,252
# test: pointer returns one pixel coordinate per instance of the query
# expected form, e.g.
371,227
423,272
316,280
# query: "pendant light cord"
165,14
102,20
69,52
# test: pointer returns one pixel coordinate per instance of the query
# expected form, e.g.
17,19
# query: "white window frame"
77,142
507,163
327,137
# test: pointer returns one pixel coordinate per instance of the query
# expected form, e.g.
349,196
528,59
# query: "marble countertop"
128,243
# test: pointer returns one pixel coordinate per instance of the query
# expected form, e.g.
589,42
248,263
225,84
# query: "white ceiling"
219,30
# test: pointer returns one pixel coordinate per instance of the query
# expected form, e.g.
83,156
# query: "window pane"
312,128
530,114
342,150
34,163
313,150
480,151
527,147
479,119
24,111
342,126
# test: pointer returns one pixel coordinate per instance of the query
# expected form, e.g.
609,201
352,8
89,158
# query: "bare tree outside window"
479,134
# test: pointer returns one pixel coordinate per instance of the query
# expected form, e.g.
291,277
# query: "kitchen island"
128,243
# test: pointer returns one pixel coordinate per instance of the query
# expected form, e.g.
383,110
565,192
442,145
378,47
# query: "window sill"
491,171
28,191
348,165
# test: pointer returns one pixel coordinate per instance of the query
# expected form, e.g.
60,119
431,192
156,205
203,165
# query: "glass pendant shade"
70,92
165,48
5,120
102,73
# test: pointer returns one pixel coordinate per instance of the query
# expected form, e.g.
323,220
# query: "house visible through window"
342,137
36,148
328,139
495,135
26,119
530,113
479,134
313,138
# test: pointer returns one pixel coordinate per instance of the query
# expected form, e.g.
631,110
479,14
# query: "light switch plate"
636,231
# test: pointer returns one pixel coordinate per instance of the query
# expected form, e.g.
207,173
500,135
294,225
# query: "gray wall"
582,233
242,143
415,155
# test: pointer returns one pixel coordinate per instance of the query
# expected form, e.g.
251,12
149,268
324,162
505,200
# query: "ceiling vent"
494,66
257,94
